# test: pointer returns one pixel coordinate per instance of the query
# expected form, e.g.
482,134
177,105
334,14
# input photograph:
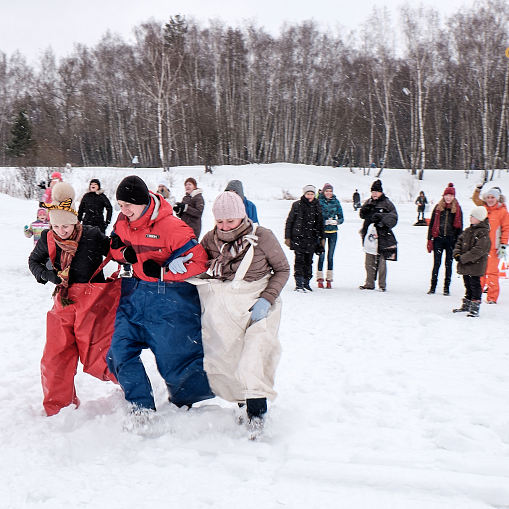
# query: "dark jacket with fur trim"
304,225
193,210
383,214
92,247
473,246
91,210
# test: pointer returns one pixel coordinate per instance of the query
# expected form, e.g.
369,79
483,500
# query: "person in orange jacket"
498,217
158,309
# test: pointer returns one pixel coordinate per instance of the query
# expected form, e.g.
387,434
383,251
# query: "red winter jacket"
155,236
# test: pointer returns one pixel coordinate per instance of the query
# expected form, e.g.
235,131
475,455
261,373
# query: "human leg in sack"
242,308
158,309
75,328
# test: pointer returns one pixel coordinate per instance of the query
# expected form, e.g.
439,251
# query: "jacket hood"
236,185
196,192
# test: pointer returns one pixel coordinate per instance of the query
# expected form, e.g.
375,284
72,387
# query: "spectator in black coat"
93,203
305,235
381,212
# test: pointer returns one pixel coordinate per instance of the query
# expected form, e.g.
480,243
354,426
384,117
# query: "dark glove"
130,255
152,269
319,249
377,218
457,257
430,245
178,208
116,241
51,276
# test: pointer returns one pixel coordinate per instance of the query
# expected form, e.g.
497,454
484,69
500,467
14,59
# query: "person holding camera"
304,234
190,209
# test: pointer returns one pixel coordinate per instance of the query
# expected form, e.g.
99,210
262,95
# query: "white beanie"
494,192
308,188
480,213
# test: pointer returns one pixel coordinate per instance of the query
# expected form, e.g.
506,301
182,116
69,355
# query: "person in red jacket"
158,309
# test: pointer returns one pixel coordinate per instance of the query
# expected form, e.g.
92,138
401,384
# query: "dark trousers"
441,244
330,239
420,214
303,265
473,288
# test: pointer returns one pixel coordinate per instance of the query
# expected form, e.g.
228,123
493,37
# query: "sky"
31,26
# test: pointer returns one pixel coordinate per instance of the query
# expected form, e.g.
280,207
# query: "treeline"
183,94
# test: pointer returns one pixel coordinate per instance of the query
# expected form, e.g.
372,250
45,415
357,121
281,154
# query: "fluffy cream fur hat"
62,209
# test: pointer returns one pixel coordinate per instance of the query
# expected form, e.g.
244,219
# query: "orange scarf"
69,247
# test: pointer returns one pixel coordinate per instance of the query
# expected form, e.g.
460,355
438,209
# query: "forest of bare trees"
182,94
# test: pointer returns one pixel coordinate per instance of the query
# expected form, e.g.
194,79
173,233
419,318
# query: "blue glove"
502,251
177,266
259,309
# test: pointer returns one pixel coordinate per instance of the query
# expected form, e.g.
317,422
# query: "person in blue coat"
236,186
332,216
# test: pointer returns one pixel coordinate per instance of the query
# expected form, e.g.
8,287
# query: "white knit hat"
494,192
228,205
62,209
480,213
308,188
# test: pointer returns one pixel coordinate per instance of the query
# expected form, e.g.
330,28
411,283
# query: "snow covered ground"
386,400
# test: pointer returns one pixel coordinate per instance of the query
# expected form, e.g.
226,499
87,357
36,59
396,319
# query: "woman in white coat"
241,307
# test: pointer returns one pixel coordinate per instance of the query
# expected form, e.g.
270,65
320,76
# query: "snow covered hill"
386,400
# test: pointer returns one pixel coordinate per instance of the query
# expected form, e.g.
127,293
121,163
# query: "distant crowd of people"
210,310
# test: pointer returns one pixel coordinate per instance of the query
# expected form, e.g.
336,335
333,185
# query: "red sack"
81,331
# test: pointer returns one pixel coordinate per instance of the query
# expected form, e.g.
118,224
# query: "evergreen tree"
21,142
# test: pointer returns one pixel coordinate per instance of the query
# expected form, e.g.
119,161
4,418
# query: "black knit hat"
377,186
95,181
133,190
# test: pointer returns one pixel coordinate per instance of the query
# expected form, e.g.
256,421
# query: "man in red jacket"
158,309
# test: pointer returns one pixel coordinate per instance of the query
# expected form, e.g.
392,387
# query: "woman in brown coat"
190,209
471,253
241,308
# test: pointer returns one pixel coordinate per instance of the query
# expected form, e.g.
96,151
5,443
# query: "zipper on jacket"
446,221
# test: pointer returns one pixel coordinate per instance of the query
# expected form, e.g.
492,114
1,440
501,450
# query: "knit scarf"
455,209
231,245
69,247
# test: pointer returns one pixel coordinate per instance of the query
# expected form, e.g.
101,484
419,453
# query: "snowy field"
386,400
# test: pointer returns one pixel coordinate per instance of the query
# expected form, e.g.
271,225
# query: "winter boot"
299,284
320,283
464,307
433,287
256,410
319,278
474,308
447,283
306,285
329,279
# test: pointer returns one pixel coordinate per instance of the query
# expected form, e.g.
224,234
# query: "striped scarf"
231,245
69,247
